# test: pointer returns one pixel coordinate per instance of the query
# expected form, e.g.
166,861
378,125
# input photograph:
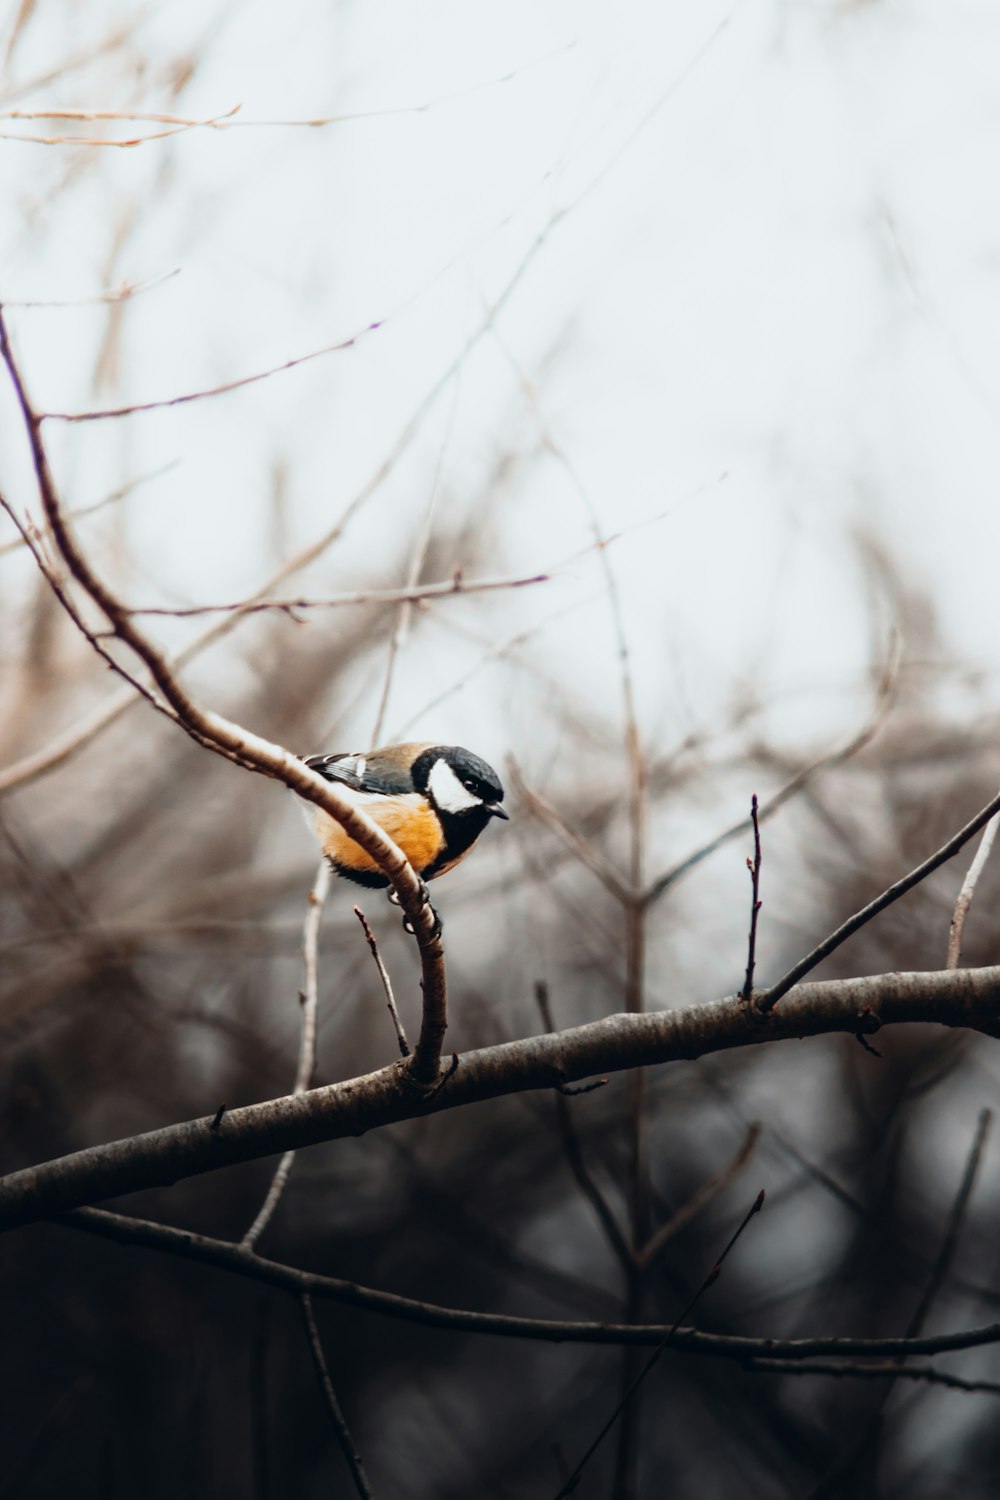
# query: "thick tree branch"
959,997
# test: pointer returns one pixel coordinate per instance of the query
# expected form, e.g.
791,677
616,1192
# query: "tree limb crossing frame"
959,997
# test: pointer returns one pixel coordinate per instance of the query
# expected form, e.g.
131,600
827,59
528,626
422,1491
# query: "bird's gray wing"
363,773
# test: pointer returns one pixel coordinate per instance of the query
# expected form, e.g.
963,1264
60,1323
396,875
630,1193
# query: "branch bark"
958,997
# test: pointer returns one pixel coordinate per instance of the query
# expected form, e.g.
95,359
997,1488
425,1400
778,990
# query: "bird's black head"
457,783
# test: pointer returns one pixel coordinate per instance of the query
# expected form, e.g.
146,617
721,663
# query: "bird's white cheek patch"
448,792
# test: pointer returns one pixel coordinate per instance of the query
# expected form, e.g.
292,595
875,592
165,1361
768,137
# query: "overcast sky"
757,249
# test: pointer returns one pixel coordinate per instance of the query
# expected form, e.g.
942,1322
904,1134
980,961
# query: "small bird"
432,800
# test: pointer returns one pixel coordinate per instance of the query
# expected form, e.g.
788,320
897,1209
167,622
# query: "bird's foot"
425,898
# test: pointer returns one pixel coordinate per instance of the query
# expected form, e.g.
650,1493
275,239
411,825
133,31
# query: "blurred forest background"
696,315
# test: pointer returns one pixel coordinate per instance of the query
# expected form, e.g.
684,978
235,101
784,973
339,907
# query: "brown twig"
223,389
341,1430
584,851
383,974
709,1281
122,293
97,140
308,1008
753,865
967,892
227,122
411,594
967,998
88,116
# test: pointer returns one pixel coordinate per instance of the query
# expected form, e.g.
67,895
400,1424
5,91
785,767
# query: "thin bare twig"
494,651
702,1198
224,389
946,1254
769,998
179,128
343,1433
223,1255
967,892
710,1280
753,865
122,293
585,852
88,116
383,974
884,695
308,1006
227,122
408,595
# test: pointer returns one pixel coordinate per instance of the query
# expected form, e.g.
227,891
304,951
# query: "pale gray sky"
777,261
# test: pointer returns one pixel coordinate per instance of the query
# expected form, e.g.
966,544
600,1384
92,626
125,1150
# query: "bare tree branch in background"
383,974
224,1255
967,892
341,1430
308,1006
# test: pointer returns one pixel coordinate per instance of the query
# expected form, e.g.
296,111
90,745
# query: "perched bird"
432,800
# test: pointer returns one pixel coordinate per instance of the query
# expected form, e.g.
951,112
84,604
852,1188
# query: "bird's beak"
496,811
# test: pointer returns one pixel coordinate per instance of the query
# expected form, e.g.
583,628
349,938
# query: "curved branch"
957,997
226,1256
234,742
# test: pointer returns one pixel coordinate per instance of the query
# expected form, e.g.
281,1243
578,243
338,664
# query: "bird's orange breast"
407,819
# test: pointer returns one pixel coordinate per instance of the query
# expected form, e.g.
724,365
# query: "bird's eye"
470,786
